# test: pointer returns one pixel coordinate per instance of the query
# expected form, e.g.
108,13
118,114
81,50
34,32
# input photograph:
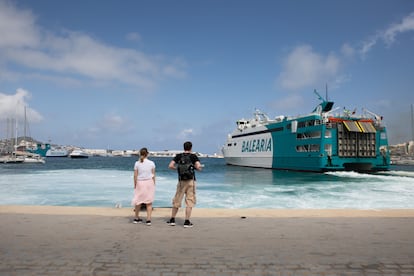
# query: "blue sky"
128,74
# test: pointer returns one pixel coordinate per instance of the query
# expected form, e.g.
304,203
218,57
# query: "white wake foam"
98,187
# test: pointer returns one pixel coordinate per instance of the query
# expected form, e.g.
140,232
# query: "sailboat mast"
10,135
15,136
412,123
25,124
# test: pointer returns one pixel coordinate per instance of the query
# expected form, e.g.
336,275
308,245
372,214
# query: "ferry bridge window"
309,123
301,124
314,148
302,148
308,148
308,135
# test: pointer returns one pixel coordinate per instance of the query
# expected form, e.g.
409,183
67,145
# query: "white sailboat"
29,157
8,154
20,156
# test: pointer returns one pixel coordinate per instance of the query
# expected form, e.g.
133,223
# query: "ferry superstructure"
57,152
319,141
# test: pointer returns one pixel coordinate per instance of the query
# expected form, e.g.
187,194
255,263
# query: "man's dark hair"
188,146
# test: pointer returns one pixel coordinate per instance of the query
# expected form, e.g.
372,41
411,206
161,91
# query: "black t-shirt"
193,158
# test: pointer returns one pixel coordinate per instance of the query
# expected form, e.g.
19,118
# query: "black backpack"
185,167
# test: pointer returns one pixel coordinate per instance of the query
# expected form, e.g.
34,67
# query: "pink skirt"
144,192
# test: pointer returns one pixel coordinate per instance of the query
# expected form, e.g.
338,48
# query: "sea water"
108,182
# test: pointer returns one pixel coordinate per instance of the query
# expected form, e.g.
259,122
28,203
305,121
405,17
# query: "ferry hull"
250,150
311,164
40,149
259,162
57,153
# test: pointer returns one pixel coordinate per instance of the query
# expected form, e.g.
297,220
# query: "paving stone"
278,246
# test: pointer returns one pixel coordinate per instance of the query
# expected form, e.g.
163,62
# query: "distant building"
404,149
411,148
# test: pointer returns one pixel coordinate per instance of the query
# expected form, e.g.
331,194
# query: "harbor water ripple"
108,182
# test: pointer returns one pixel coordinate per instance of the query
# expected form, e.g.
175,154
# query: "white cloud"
173,72
114,121
185,134
347,50
406,25
12,107
367,45
17,28
133,37
109,125
75,54
303,67
388,36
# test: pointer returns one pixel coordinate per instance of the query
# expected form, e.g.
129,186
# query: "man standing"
185,163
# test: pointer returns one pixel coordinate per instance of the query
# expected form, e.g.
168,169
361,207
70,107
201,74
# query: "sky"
129,74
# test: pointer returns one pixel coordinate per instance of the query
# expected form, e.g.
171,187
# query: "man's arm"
172,165
197,165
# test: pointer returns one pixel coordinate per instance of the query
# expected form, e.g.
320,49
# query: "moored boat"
29,157
319,141
18,157
78,154
40,149
57,152
11,159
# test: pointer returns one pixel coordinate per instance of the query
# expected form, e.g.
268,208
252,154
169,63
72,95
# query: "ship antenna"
326,91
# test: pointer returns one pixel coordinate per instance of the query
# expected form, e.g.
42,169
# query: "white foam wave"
398,173
76,187
98,187
384,176
346,174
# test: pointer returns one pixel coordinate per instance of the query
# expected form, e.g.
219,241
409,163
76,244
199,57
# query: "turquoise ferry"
319,141
40,149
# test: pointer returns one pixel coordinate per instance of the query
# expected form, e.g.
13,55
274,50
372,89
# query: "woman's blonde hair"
143,153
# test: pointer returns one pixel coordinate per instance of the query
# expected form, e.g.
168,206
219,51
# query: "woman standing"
144,185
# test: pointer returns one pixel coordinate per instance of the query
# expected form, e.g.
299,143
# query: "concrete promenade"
36,240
